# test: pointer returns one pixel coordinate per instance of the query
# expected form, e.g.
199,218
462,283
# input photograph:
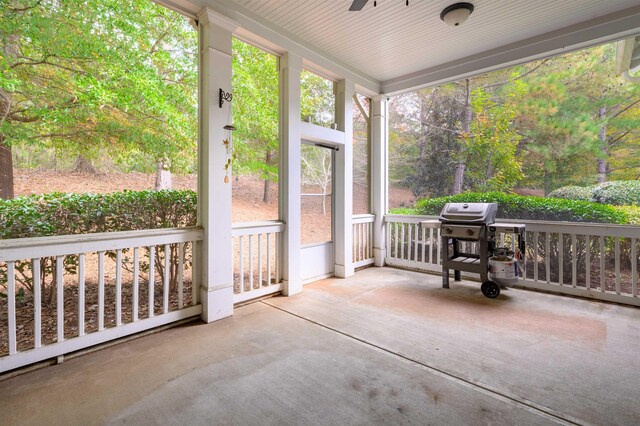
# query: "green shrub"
578,193
618,193
632,213
68,214
530,208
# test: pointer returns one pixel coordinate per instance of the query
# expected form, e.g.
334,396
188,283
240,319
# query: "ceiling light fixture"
456,14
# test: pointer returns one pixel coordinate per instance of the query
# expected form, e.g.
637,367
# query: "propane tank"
503,267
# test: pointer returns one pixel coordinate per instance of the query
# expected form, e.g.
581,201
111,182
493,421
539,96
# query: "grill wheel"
490,289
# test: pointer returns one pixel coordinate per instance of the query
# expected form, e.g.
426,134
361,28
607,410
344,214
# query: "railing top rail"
578,228
363,218
407,218
250,228
62,245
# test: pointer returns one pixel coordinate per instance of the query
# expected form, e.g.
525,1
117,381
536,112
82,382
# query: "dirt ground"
248,191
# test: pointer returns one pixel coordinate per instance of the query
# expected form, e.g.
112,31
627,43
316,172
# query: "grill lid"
469,213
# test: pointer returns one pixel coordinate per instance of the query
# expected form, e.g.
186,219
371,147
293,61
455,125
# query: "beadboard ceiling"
393,40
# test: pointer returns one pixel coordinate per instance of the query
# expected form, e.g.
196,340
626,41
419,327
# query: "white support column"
214,203
290,67
379,173
343,184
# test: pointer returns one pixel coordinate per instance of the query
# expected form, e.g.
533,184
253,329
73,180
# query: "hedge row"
528,208
577,193
66,214
617,193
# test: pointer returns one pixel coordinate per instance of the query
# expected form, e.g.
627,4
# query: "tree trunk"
602,162
6,170
266,196
83,165
458,179
547,182
163,175
324,201
489,169
10,51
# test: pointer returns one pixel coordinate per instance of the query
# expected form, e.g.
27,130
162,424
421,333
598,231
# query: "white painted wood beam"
343,185
314,133
215,258
289,199
379,173
604,29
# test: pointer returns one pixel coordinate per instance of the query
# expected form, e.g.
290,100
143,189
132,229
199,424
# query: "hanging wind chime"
228,134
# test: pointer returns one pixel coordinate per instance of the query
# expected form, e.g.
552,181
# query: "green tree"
110,76
255,112
423,136
490,145
579,120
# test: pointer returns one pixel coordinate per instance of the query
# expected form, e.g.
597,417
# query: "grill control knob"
469,231
448,230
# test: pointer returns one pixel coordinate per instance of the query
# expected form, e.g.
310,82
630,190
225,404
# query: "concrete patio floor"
383,347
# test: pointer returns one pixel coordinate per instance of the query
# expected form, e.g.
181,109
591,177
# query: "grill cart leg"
457,275
445,278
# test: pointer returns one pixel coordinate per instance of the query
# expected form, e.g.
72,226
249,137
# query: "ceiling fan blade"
357,5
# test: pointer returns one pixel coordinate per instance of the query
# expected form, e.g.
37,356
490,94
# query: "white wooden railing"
598,261
94,288
411,244
256,265
362,240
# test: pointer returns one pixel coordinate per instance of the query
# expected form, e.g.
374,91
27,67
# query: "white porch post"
343,196
379,172
214,204
290,67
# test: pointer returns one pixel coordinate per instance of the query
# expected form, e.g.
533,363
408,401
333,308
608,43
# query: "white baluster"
561,259
180,276
269,258
167,278
602,283
574,261
587,260
260,263
81,293
118,287
100,290
617,262
195,273
241,263
634,267
152,280
136,282
547,256
60,297
37,304
11,296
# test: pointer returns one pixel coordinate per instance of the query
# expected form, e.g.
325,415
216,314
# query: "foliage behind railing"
594,260
530,208
68,214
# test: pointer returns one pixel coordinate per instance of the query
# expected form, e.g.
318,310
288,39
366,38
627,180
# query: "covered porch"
380,345
383,346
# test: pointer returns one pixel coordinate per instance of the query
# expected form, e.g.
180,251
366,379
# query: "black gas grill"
461,224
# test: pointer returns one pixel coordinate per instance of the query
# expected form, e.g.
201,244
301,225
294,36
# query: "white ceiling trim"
600,30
